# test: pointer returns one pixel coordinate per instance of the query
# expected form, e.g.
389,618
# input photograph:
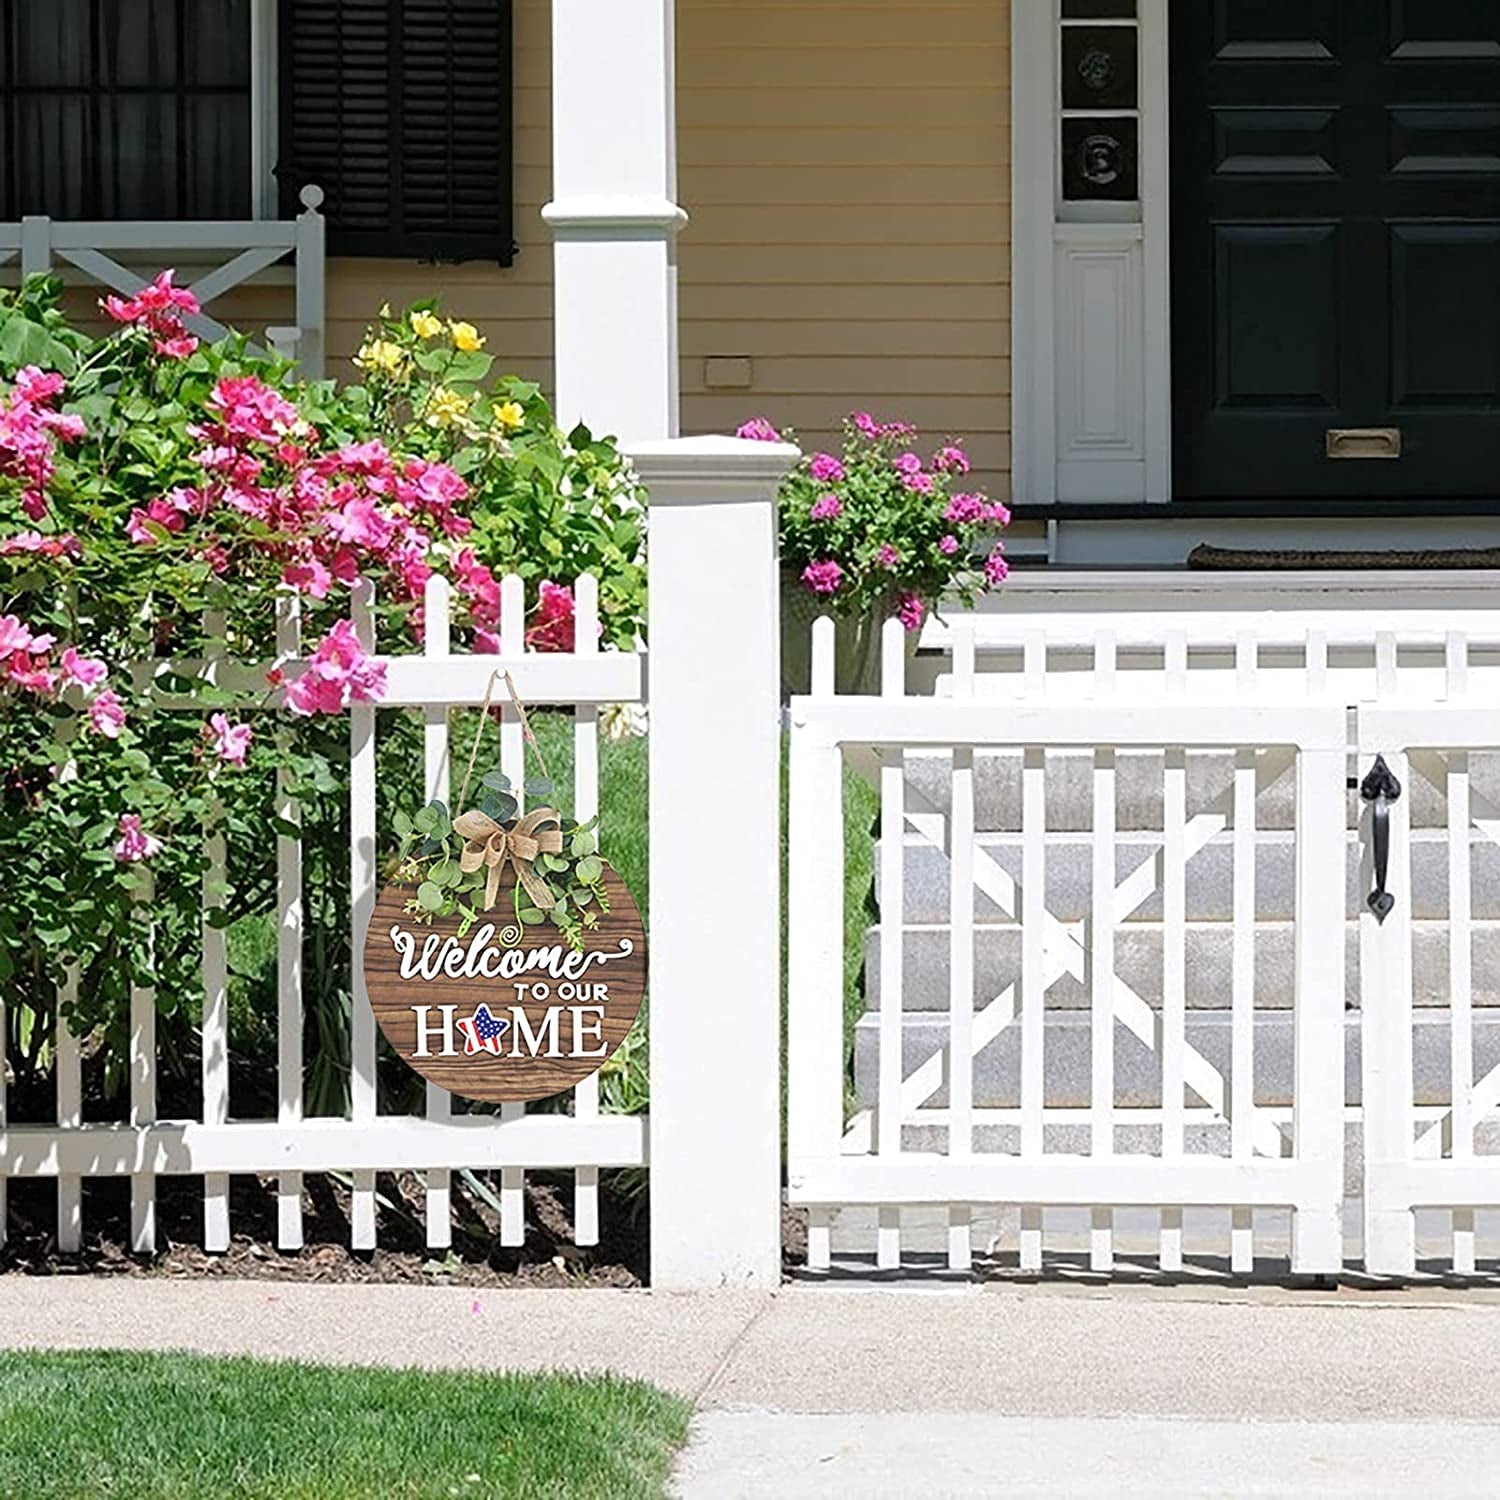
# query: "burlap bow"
492,845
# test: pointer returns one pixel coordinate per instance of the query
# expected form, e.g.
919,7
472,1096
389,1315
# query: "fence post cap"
702,469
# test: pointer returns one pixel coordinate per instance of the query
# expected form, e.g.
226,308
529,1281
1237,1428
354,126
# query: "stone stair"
1209,894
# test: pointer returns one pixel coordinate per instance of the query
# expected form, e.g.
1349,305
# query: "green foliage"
180,1426
547,505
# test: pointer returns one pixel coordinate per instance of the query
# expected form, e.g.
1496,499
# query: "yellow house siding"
846,169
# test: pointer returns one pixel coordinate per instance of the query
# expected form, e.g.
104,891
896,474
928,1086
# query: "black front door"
1336,248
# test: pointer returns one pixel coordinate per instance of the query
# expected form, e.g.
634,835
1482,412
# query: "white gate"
924,1142
1427,1096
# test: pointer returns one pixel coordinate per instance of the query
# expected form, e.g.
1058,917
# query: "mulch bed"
549,1258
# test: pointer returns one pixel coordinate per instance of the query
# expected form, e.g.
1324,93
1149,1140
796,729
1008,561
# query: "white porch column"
715,982
614,216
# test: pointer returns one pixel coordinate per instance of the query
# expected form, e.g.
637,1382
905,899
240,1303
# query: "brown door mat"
1234,560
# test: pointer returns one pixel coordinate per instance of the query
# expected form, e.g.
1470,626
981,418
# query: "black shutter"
400,110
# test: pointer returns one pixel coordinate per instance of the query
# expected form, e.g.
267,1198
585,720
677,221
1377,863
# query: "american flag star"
482,1032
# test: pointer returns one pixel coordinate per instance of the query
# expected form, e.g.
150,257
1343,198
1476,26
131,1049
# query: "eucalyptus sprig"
430,853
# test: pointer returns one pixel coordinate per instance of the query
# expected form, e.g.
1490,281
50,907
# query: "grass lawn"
164,1426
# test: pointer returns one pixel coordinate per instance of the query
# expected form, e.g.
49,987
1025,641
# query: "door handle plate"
1363,442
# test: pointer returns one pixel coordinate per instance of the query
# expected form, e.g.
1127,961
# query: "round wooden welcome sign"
502,1013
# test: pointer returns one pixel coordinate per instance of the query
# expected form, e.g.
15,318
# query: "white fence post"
715,984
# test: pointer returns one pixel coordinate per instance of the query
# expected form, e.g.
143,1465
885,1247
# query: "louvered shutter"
400,110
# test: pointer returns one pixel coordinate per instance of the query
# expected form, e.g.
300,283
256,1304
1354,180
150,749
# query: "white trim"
1155,38
1130,367
265,110
1034,29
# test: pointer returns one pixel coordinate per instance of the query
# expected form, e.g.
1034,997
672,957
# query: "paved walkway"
975,1391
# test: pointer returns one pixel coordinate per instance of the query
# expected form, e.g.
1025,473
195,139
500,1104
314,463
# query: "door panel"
1336,246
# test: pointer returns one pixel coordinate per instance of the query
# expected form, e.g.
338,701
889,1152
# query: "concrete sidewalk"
1037,1377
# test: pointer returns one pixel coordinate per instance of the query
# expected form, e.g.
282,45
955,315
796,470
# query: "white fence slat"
1102,962
961,959
1174,987
437,639
585,806
363,1078
1242,985
892,943
289,1086
1318,1068
513,763
142,1072
1461,992
69,1116
1033,982
815,957
215,1034
1386,1051
215,1026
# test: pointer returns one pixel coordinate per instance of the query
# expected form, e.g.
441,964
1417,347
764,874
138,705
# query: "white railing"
113,253
144,1146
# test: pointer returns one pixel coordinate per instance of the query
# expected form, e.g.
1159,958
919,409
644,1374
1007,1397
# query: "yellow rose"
425,325
445,407
510,415
465,336
382,355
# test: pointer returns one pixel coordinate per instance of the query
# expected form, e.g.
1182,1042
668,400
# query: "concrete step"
1138,961
1210,875
1138,789
1067,1058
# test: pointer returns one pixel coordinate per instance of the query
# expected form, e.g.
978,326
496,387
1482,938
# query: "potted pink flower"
876,530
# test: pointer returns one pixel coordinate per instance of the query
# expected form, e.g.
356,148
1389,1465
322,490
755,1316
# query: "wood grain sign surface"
488,1017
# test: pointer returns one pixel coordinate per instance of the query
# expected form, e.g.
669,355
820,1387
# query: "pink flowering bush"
158,496
882,529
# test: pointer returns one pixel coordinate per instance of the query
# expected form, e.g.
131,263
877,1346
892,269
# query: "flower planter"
856,666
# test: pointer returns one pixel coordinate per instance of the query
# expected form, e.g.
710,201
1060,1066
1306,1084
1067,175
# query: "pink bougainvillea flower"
996,569
998,514
827,508
886,556
43,546
553,626
231,742
181,346
168,512
823,577
907,463
134,843
82,671
30,674
107,714
338,673
865,423
951,460
14,636
310,576
912,612
825,468
965,510
758,430
919,484
948,546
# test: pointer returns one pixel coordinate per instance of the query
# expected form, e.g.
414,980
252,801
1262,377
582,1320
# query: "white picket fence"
1288,705
143,1147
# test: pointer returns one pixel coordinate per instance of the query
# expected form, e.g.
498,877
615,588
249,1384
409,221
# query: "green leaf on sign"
590,870
583,845
430,896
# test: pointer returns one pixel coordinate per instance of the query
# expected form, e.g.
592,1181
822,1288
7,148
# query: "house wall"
846,169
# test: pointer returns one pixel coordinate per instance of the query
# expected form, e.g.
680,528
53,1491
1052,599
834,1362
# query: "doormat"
1234,560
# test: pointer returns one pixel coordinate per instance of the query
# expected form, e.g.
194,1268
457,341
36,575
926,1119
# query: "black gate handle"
1381,788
